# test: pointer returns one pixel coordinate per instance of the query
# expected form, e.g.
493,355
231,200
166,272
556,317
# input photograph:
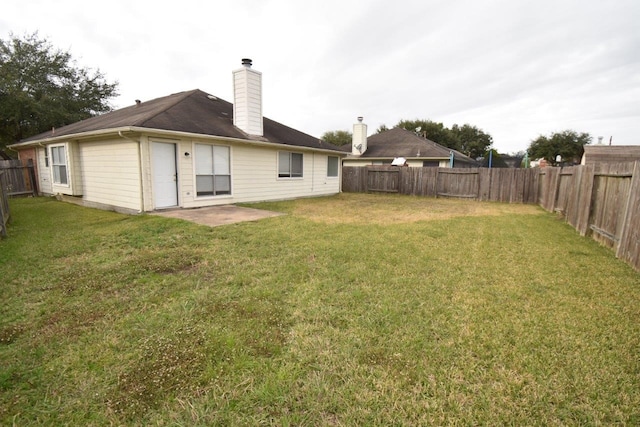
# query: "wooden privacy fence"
496,184
5,214
601,201
20,177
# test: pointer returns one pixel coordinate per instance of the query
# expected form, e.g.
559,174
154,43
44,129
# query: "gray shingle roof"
194,112
398,142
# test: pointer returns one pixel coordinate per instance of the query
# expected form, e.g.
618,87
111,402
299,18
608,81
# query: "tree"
382,128
41,88
568,144
434,131
337,137
473,141
492,155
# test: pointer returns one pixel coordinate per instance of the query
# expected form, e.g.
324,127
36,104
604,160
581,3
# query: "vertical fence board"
585,199
573,198
629,245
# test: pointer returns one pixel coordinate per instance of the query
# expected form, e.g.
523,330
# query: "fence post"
5,214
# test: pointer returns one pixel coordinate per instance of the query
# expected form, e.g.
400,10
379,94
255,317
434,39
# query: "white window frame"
216,162
57,163
286,165
337,166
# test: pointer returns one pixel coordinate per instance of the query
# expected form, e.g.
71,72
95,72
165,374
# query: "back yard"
350,310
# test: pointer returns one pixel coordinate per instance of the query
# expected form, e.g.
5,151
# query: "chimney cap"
138,102
247,62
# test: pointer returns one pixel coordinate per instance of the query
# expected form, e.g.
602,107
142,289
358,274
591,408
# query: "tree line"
477,144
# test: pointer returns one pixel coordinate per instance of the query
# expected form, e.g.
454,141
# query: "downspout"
139,168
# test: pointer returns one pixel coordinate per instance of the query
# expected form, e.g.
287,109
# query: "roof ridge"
182,96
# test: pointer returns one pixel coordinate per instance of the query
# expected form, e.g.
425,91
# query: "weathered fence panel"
5,214
463,183
610,194
20,177
383,179
354,179
602,201
629,244
496,184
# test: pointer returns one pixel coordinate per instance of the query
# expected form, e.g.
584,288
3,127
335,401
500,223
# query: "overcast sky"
514,68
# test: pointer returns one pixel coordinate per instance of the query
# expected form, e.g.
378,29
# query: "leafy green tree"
41,87
382,128
337,137
492,155
568,144
473,141
434,131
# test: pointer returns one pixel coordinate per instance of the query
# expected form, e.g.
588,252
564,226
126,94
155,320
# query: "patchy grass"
350,310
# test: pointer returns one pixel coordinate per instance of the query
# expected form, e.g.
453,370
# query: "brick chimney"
359,141
247,99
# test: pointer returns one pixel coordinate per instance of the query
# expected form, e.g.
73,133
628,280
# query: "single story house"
186,150
600,153
400,146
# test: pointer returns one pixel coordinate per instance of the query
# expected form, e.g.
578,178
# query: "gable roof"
194,112
398,142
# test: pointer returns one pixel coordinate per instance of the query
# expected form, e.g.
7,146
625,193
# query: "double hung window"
213,170
59,164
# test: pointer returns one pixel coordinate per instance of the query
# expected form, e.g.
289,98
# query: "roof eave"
166,133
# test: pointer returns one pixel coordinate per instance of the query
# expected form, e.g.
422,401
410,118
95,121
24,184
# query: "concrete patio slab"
214,216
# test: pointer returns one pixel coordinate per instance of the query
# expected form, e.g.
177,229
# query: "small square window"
333,166
289,165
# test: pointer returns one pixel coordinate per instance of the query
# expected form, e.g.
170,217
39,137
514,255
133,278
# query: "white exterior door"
165,178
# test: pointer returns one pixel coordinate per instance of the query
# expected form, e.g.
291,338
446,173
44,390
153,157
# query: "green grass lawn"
350,310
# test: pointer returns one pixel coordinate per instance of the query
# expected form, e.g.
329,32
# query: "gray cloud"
515,69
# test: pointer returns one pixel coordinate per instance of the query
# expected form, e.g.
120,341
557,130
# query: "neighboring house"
401,145
597,154
187,150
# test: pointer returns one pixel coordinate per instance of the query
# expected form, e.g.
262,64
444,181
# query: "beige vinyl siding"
44,172
356,162
254,176
111,173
